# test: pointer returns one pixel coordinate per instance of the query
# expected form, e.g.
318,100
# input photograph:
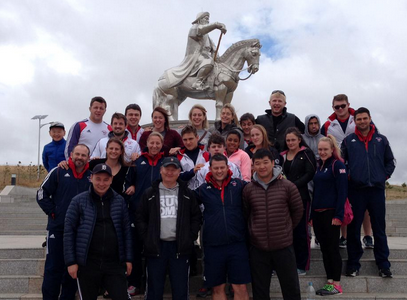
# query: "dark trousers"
328,238
262,264
57,283
178,268
110,275
302,241
372,199
137,271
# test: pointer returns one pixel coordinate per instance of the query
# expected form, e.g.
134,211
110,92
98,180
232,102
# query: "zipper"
224,217
104,228
267,219
368,165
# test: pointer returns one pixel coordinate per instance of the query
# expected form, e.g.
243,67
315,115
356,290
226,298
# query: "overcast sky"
56,55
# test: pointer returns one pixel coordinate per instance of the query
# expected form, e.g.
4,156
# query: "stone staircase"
22,231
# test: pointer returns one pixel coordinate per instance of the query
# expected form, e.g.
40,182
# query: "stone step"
368,268
22,266
367,255
24,232
34,253
17,222
20,284
273,296
28,225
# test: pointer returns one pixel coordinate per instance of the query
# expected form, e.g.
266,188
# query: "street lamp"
39,118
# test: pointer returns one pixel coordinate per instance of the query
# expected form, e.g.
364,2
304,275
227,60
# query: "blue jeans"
372,199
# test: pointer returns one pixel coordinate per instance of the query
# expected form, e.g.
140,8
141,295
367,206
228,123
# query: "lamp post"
39,118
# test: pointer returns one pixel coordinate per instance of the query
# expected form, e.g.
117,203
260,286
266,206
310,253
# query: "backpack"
348,213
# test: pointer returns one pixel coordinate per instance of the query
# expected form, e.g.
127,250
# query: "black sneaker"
352,272
368,242
342,243
385,273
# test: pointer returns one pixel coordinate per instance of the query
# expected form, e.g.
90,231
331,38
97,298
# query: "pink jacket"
242,160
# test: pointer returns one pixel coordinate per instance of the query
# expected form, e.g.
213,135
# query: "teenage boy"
216,145
192,156
133,115
97,238
53,152
168,220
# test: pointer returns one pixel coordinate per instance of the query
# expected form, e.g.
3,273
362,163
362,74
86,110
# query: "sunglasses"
337,107
278,91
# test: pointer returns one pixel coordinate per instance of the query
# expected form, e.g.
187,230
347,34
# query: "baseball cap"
171,161
57,125
102,168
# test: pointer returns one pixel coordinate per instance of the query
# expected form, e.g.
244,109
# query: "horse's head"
253,56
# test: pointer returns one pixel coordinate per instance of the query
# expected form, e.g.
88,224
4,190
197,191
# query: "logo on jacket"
143,163
52,236
67,175
379,139
234,183
342,171
353,140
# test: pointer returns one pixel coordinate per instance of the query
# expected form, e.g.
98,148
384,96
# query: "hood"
268,111
277,170
307,118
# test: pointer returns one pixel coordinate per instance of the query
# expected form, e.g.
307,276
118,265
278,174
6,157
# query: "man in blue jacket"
54,197
370,162
97,238
224,230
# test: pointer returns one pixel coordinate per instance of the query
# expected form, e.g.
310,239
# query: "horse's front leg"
220,96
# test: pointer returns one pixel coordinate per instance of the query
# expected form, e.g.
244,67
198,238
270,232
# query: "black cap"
102,168
57,125
171,161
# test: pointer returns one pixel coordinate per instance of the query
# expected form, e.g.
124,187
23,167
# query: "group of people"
252,186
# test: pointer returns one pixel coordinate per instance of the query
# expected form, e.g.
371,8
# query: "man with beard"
54,197
131,147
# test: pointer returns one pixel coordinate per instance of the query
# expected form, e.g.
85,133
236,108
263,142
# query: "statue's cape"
189,66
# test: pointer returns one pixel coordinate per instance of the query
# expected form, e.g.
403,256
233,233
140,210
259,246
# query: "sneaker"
203,292
301,272
325,288
385,273
331,289
368,242
352,272
342,243
133,291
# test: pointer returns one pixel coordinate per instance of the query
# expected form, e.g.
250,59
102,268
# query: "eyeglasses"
337,107
278,91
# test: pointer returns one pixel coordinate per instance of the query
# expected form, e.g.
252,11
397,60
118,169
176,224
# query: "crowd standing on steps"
253,188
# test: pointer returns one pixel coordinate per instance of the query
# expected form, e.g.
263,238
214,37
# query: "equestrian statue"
203,75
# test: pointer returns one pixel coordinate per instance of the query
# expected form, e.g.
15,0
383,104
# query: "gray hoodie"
277,170
312,140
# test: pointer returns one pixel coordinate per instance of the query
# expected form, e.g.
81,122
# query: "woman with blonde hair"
327,212
198,119
228,121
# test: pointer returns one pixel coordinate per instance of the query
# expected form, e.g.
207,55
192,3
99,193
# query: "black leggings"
328,238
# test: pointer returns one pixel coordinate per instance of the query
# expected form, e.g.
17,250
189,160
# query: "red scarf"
368,138
209,179
73,168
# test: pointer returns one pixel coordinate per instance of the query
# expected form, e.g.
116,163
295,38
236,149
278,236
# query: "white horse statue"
222,80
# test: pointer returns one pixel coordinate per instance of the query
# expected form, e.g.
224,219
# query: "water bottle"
310,292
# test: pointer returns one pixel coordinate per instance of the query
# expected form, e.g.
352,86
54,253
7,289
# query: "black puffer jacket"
80,222
302,170
148,219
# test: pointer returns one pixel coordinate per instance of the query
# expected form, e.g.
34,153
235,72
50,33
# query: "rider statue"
199,54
